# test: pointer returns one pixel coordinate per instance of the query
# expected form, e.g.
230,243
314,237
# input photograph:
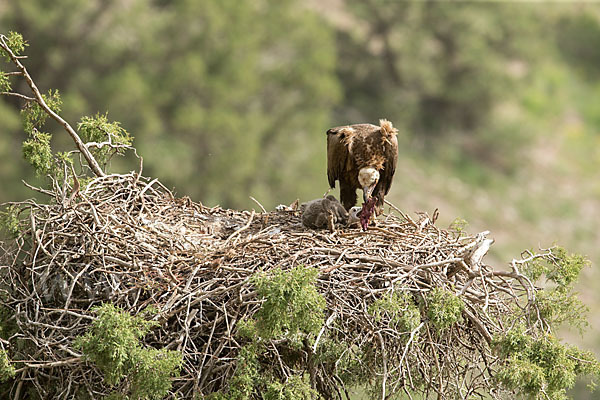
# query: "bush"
113,344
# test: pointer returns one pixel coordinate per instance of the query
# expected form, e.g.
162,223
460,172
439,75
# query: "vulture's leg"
379,203
347,195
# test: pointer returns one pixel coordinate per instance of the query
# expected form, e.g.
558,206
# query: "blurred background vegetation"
496,103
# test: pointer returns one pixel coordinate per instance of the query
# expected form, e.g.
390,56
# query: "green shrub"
540,368
9,221
444,309
399,308
98,129
7,370
113,344
292,303
558,302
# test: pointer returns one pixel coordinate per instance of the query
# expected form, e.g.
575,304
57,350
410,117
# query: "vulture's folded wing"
337,152
389,166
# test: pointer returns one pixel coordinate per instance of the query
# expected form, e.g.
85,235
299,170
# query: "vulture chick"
354,216
316,213
362,156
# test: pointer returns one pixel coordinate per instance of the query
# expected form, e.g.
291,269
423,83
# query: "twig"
22,96
385,372
327,324
53,364
260,205
242,229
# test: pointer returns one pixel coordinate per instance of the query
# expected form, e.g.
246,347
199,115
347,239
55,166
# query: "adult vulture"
362,156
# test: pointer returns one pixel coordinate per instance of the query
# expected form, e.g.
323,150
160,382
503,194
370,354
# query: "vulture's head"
368,178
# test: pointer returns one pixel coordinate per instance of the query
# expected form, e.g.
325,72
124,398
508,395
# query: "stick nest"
127,240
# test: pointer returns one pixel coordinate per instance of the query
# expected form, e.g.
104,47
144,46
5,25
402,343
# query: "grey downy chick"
316,213
354,216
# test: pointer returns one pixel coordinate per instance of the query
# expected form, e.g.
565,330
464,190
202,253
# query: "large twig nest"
127,240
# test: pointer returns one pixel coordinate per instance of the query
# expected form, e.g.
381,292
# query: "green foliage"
444,309
355,366
330,350
246,373
558,303
292,309
4,82
399,308
98,129
250,379
360,367
16,44
558,306
36,149
535,268
7,370
38,153
522,375
542,366
513,342
295,388
246,329
459,225
34,116
9,220
577,37
566,268
113,345
443,62
292,303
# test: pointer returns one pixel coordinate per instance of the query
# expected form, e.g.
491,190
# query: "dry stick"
325,325
20,385
19,95
240,230
486,335
49,364
370,259
384,359
260,205
402,213
40,100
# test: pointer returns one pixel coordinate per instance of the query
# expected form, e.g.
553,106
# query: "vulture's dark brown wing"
337,153
389,166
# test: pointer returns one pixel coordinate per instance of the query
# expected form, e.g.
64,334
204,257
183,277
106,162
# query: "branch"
52,364
40,100
22,96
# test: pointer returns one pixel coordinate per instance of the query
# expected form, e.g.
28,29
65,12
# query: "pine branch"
40,100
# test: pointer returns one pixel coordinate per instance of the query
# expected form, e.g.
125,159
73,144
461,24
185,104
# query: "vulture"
362,156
